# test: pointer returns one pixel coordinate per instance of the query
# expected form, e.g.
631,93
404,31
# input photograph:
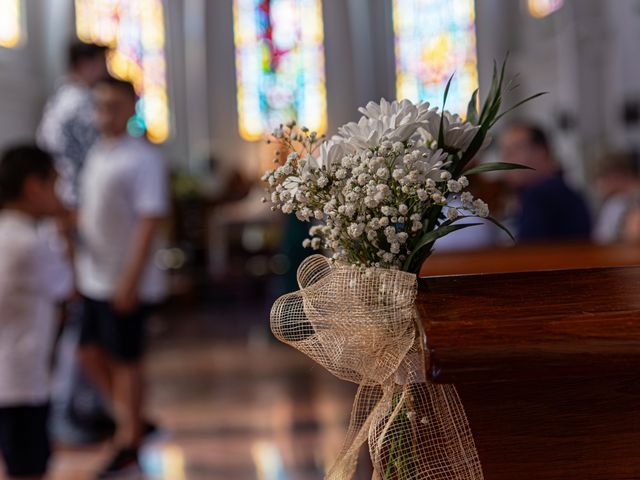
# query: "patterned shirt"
67,131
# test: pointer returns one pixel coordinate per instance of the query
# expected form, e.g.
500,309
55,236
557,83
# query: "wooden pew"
547,364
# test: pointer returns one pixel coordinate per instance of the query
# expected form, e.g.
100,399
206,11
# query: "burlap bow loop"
360,325
359,334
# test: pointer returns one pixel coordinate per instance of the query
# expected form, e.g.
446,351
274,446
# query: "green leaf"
472,108
501,227
494,99
444,102
430,237
492,92
521,102
495,166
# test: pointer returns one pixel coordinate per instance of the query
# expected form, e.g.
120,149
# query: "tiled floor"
235,406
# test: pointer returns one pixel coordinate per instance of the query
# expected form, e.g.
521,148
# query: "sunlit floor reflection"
268,461
232,408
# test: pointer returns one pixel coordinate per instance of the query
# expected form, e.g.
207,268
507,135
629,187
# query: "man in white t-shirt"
31,281
123,202
67,131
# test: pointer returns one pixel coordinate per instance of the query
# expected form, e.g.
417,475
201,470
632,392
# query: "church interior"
536,323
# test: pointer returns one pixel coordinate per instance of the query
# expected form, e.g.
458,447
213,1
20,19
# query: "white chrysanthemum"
392,121
332,152
458,135
432,164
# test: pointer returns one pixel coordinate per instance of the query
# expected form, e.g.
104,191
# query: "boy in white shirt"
123,202
28,293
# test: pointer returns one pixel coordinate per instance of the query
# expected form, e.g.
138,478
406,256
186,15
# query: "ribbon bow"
360,325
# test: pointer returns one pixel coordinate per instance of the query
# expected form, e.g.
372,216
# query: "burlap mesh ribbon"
360,325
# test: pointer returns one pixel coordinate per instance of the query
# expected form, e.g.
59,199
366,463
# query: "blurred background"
215,77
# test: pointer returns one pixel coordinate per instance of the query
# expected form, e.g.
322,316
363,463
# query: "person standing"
31,282
67,131
124,200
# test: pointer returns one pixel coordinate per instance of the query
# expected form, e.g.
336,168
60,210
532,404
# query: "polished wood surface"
528,258
547,365
537,325
562,429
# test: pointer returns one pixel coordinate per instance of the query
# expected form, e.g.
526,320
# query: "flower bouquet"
379,194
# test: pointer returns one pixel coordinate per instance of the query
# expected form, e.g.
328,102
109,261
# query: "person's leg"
128,393
97,366
124,345
80,413
25,442
94,339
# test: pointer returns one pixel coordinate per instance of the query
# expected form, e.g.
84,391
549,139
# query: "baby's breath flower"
454,186
467,199
382,173
341,174
481,208
355,230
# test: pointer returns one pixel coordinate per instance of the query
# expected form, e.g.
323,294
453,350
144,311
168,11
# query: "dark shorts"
24,440
121,336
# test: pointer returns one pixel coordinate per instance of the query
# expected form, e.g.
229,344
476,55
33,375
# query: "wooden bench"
547,364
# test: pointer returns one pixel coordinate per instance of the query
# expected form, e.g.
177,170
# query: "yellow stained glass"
135,32
279,65
10,23
433,40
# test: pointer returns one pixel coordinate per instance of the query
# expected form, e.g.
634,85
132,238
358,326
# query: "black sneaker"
123,462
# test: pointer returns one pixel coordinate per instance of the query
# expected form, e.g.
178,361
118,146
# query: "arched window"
279,65
135,32
11,33
433,40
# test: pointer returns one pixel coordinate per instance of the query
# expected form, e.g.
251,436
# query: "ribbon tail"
424,434
370,403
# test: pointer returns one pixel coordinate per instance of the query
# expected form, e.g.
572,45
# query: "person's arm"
126,295
67,222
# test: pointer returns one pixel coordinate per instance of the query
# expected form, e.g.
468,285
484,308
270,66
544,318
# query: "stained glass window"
10,23
279,65
135,31
542,8
434,39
